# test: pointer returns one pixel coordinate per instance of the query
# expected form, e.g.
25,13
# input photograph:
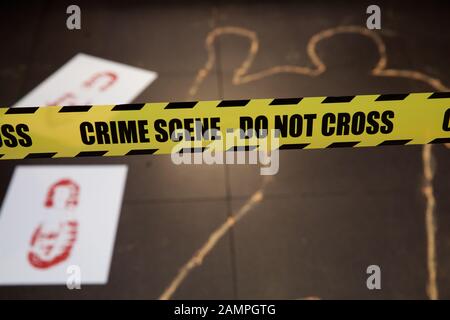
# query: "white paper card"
58,220
86,80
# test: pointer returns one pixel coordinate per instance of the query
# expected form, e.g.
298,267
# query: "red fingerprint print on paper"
53,239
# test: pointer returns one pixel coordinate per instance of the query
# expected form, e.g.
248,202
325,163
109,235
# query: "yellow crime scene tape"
156,128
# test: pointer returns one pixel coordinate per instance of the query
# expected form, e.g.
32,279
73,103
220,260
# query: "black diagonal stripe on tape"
75,109
439,95
181,105
40,155
21,110
293,146
338,99
343,144
91,153
243,148
233,103
391,97
141,151
128,107
285,101
440,140
1,155
395,142
193,150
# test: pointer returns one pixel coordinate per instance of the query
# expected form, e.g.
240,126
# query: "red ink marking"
71,201
50,244
107,74
66,99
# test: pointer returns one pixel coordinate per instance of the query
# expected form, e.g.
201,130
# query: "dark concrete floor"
326,215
